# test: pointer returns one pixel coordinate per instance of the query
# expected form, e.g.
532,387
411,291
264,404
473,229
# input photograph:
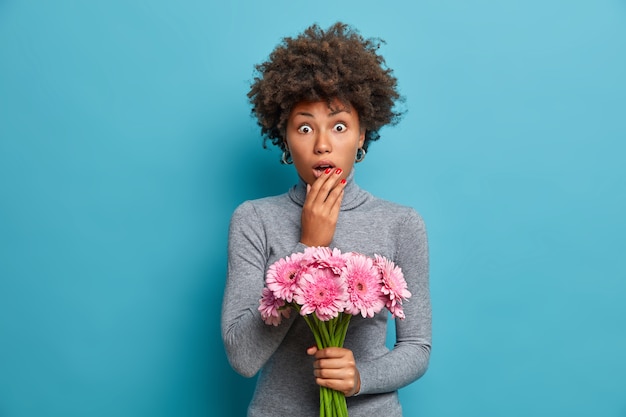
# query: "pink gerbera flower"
321,292
326,258
396,311
394,285
272,309
364,286
282,276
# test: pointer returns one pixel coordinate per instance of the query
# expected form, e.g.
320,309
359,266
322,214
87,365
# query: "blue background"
126,142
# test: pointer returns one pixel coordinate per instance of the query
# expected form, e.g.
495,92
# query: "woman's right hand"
335,368
321,208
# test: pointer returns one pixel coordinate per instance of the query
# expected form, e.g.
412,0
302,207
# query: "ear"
361,137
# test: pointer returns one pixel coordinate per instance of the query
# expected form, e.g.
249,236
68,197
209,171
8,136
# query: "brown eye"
305,129
340,127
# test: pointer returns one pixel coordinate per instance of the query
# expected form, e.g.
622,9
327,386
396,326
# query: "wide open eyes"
340,127
305,129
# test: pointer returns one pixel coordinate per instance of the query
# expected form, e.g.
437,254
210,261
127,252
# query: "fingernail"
338,171
327,170
343,181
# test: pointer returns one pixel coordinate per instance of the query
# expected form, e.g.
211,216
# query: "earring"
360,155
286,157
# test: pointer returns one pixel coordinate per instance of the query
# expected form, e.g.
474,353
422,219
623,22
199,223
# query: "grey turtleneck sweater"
264,230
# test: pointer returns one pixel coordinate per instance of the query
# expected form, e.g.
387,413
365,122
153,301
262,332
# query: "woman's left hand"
335,368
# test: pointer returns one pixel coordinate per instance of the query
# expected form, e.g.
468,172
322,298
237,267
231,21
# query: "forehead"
321,108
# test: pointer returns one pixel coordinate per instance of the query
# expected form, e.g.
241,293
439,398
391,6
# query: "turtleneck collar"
353,195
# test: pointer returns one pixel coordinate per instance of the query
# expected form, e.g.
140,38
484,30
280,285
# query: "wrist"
313,243
357,385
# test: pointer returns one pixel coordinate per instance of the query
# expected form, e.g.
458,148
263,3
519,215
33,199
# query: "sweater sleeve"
248,341
408,360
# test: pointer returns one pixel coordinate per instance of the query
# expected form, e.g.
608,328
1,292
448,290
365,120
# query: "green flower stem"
323,330
329,402
343,328
330,326
316,333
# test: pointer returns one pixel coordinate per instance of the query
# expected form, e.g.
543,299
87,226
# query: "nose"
322,143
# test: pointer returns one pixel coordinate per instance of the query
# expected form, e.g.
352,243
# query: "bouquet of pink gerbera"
327,288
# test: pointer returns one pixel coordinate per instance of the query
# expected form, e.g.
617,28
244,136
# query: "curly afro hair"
323,65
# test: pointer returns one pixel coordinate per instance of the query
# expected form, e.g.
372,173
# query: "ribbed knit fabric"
264,230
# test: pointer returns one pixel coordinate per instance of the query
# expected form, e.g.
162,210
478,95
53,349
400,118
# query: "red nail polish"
343,181
327,171
338,171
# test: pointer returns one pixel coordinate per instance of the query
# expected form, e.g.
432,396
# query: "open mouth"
320,168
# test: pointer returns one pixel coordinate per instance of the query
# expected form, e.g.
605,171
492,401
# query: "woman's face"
320,136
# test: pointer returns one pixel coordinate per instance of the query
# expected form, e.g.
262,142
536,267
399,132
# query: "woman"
322,98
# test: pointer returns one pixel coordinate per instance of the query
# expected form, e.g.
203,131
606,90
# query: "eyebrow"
335,112
332,113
